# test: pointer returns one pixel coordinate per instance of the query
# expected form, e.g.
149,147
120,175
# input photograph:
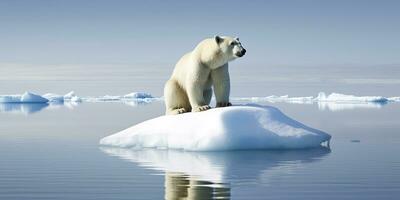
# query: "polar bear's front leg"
196,98
221,84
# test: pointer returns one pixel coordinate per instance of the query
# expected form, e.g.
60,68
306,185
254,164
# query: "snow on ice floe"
229,128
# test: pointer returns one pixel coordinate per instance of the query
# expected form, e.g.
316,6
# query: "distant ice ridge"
143,97
29,97
134,96
229,128
322,97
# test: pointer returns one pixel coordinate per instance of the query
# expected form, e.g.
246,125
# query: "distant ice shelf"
29,97
321,97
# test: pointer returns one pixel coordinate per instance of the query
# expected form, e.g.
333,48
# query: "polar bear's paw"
201,108
176,111
223,104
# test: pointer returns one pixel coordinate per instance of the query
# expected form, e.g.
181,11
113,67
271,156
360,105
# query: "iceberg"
394,99
71,96
229,128
27,97
54,98
138,95
131,97
332,102
321,97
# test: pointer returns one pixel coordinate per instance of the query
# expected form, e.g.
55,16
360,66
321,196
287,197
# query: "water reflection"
182,186
31,108
22,108
338,106
210,175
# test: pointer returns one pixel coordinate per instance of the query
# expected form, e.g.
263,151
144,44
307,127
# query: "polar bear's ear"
236,38
218,39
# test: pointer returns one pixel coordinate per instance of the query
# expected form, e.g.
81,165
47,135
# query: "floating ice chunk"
286,98
229,128
396,99
10,98
134,96
76,99
27,97
71,96
349,98
322,97
138,95
55,98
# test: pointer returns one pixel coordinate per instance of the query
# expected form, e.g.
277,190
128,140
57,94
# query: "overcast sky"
274,32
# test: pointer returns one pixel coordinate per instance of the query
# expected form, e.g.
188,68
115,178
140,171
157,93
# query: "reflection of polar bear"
189,88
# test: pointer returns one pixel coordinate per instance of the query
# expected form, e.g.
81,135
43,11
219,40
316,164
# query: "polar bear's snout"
241,53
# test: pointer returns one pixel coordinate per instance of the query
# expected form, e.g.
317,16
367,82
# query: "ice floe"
229,128
321,97
27,97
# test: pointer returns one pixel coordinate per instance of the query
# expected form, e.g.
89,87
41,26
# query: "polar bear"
189,88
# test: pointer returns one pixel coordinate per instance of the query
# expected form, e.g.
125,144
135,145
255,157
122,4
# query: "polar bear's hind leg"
176,100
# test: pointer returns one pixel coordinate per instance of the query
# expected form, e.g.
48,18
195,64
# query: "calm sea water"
52,152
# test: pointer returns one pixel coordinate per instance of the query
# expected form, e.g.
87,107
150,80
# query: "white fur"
190,86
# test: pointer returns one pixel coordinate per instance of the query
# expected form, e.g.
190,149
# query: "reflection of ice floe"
336,97
139,102
18,108
220,167
337,106
229,128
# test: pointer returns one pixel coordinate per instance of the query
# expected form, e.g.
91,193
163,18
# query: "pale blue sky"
298,33
115,47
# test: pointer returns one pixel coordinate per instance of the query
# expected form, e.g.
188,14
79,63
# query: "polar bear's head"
231,47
